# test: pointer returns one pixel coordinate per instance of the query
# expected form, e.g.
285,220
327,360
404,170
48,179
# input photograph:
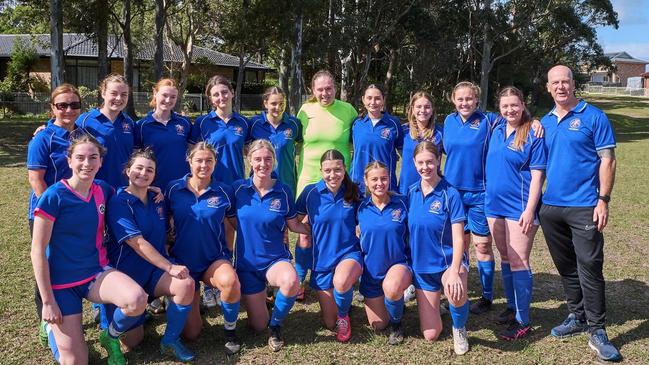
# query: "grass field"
626,272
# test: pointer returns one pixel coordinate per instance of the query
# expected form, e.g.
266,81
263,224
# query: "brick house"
625,66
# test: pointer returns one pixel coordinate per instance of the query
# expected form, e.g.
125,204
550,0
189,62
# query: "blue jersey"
128,217
76,248
509,172
333,224
429,224
169,143
261,224
228,139
573,163
118,139
465,144
48,151
383,235
198,221
409,174
378,142
284,138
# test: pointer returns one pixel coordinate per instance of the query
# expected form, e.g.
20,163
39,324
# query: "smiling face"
377,181
262,162
275,106
115,96
165,98
561,85
324,90
511,108
67,114
465,101
201,164
422,110
373,101
85,161
221,97
427,164
141,173
333,173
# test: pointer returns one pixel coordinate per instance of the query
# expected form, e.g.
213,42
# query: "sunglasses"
64,106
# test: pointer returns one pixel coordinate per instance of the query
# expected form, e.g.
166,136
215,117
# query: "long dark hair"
352,192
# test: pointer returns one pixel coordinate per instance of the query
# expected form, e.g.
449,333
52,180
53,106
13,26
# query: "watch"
605,198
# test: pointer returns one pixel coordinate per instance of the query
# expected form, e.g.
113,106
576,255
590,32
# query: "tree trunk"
388,79
331,52
345,69
188,53
296,62
485,69
158,57
284,74
243,61
57,64
128,57
102,40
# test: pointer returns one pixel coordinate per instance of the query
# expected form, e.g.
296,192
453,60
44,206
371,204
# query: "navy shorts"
324,280
372,287
476,220
428,282
253,282
146,277
198,275
70,300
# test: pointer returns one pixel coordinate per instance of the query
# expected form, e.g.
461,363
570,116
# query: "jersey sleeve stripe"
43,214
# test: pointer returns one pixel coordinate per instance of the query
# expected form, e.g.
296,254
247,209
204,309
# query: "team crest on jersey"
213,201
180,129
385,133
347,204
474,124
435,207
396,215
238,131
275,205
512,146
575,124
102,208
161,212
126,127
288,134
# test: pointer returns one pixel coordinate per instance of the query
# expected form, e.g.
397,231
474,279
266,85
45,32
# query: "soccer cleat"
42,333
210,299
275,340
480,306
515,331
343,329
600,343
157,306
508,316
396,334
232,343
460,341
112,346
409,294
571,326
178,350
300,293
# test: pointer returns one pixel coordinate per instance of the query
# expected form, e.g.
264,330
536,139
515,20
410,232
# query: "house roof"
82,46
624,57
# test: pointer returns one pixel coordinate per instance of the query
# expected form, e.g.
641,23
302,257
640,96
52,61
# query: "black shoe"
480,306
396,334
515,331
275,340
508,316
232,343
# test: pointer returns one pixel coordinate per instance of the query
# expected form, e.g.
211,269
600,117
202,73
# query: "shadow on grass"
14,137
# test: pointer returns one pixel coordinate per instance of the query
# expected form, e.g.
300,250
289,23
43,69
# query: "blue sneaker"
603,347
177,349
570,327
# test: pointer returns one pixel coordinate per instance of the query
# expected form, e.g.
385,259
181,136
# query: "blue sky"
632,35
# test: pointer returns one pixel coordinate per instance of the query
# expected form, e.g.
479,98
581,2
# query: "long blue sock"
394,308
121,323
176,318
486,270
508,284
523,289
303,261
282,306
459,315
343,301
103,316
51,342
230,314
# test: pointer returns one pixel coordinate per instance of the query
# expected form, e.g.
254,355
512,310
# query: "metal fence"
610,90
38,103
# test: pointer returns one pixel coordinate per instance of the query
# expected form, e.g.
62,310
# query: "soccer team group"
124,212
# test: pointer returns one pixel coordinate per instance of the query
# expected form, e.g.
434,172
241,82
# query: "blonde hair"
523,128
466,84
429,131
103,85
260,144
160,84
428,147
317,75
375,165
201,146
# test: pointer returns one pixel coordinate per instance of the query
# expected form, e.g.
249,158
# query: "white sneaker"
460,341
211,297
409,294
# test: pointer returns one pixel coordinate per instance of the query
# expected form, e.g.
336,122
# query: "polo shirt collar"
264,118
580,107
185,181
249,184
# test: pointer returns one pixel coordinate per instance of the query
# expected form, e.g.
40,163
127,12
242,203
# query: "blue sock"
51,342
282,306
121,323
508,284
343,301
303,259
230,314
176,318
523,289
395,309
486,270
459,315
103,317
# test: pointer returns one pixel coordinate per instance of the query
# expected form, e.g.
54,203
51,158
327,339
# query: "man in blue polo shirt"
580,174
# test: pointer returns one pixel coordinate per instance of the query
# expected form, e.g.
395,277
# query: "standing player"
198,206
69,222
139,234
435,225
265,207
581,171
515,172
383,225
330,206
376,136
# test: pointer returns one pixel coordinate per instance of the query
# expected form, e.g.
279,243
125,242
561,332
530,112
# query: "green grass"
626,271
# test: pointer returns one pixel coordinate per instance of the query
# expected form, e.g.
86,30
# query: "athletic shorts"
372,287
198,275
70,300
324,280
253,282
147,277
476,220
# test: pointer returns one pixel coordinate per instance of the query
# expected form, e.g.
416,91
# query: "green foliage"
24,19
22,61
89,97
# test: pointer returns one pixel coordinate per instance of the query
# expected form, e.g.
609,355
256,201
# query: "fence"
38,103
610,90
